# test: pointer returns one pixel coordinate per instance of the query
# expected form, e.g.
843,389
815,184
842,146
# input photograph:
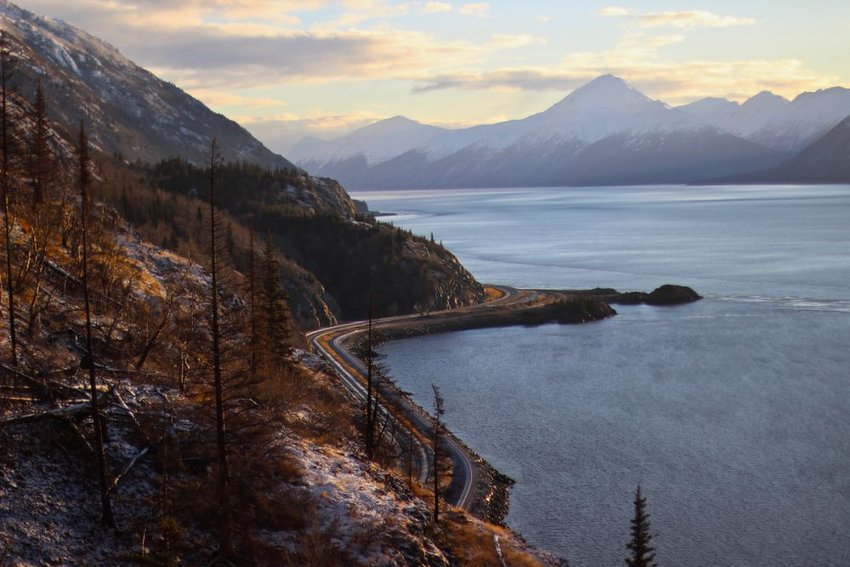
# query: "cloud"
479,9
636,58
506,79
682,19
436,7
280,133
512,41
691,19
614,11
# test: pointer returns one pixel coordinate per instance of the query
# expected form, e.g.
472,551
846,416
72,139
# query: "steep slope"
605,132
127,109
826,160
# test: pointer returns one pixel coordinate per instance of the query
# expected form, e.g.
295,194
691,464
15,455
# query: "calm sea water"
732,413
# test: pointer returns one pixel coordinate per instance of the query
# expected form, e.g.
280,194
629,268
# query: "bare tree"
225,534
437,433
367,351
85,179
252,300
7,65
154,336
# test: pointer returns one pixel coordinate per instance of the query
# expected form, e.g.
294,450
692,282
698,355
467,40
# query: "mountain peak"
604,91
765,99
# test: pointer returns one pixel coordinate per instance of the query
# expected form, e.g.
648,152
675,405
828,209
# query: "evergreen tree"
279,324
42,165
642,554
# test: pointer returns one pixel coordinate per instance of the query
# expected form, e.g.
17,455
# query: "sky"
285,69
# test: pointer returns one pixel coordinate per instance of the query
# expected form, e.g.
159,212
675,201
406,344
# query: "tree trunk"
106,505
225,536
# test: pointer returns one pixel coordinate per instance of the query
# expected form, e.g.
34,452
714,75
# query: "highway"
330,344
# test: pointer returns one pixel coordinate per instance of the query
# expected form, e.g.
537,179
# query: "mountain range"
605,132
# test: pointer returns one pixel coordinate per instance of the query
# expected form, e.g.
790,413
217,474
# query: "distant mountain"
710,110
773,121
377,142
126,109
826,160
605,132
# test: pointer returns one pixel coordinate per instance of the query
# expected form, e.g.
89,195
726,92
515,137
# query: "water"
733,413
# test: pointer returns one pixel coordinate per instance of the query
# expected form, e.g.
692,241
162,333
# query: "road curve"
330,344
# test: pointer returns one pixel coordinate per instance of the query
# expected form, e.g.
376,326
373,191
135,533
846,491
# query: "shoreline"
476,485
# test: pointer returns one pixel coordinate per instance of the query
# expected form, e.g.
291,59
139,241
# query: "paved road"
330,344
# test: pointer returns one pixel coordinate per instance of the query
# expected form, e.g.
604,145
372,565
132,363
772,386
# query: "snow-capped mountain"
826,160
602,133
377,142
126,109
775,122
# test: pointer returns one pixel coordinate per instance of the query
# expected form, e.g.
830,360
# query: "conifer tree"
84,163
642,554
278,317
42,167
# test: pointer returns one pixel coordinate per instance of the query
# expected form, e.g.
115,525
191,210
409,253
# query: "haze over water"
733,413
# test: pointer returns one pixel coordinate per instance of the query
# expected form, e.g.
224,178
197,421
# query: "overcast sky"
288,68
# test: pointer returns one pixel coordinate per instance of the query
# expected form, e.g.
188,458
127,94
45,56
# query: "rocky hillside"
128,109
132,116
301,491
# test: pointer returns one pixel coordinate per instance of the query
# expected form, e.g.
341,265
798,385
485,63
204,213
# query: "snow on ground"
355,503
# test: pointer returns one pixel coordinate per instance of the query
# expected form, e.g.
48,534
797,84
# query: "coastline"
476,485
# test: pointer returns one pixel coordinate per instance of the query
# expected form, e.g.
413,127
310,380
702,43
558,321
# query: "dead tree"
84,180
252,300
438,431
371,411
7,64
225,534
46,215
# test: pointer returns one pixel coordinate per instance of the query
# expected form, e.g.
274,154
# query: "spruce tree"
641,552
278,316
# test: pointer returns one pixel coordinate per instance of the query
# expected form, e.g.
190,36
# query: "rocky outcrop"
323,195
311,306
667,294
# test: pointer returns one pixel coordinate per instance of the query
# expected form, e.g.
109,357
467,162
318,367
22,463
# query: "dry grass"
472,542
492,294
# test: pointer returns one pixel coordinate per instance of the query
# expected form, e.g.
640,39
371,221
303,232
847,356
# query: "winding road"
330,344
